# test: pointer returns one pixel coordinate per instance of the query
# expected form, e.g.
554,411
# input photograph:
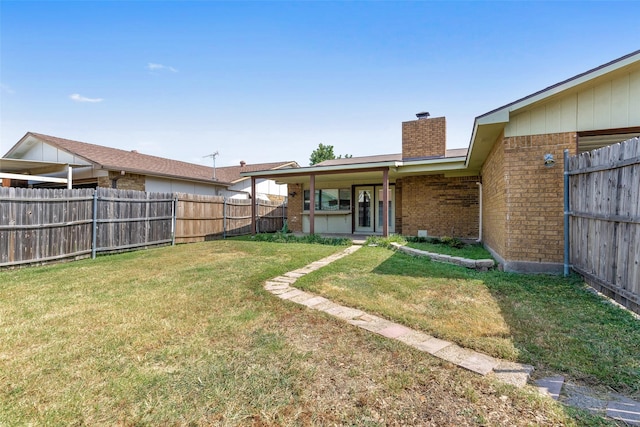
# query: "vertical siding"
634,97
611,104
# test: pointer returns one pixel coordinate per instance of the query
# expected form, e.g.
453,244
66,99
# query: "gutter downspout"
566,212
480,215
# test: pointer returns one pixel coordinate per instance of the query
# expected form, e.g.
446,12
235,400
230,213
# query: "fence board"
605,219
40,225
44,225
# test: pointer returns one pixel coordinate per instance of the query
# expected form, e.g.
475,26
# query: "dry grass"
550,322
447,305
187,336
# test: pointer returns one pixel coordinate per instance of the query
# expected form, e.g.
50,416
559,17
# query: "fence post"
566,213
174,216
224,218
257,218
94,228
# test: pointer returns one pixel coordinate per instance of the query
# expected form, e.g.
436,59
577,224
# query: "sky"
270,81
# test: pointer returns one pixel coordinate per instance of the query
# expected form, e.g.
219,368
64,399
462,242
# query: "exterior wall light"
549,161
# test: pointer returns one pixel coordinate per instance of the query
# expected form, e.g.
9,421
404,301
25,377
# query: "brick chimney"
242,163
424,138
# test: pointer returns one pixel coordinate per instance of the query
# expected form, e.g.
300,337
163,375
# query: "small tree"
324,152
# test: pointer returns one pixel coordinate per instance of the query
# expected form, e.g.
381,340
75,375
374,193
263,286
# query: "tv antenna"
213,156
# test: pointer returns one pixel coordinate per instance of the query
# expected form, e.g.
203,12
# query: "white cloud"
6,89
156,67
79,98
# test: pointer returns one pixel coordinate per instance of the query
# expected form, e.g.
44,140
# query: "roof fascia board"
567,84
318,170
458,164
17,144
38,178
160,175
53,144
501,115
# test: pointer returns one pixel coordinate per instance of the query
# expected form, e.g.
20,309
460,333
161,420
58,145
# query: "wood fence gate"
604,219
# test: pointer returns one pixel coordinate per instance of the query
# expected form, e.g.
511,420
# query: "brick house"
505,190
98,166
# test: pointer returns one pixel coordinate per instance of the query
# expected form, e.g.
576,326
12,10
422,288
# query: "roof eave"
488,126
320,169
161,175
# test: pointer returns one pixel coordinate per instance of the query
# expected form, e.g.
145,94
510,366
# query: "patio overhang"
385,173
34,170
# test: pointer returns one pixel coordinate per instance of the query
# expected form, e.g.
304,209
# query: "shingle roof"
454,152
132,161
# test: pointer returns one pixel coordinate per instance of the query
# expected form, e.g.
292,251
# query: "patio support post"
312,203
385,203
254,199
69,177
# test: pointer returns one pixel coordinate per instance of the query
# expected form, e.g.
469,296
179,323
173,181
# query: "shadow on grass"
555,323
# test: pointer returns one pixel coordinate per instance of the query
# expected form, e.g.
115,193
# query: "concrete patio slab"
345,312
312,302
324,306
372,326
394,331
293,274
551,386
284,279
582,397
414,338
480,363
624,409
281,291
301,298
513,373
269,286
452,353
433,345
290,294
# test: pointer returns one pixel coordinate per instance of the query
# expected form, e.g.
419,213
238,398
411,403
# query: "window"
329,200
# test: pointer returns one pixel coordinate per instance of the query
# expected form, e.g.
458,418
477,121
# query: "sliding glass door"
369,209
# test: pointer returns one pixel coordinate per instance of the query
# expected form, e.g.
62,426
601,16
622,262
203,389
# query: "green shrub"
454,242
282,237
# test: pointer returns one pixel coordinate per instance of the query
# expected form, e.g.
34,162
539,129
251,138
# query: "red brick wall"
424,138
534,196
442,206
294,207
494,200
128,181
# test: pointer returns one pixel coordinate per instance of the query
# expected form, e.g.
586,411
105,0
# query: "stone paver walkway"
513,373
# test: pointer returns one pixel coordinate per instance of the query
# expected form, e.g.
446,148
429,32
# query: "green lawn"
470,251
187,335
550,322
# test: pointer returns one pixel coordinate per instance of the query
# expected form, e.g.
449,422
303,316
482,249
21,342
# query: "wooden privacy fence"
43,225
214,217
604,219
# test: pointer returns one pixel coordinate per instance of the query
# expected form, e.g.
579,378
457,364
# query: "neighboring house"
98,166
505,190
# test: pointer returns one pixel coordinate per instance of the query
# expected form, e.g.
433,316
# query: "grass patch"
441,245
284,237
554,323
186,335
